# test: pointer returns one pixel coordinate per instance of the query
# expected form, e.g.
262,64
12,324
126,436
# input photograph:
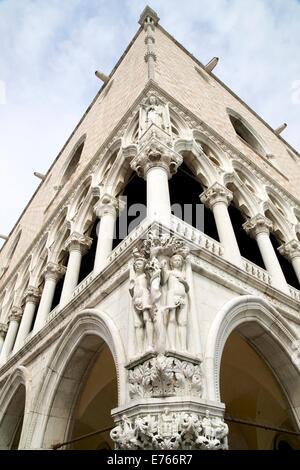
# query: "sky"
50,49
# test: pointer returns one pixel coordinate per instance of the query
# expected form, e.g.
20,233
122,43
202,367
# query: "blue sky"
49,50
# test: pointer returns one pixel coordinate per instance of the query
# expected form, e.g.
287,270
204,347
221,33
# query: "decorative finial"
148,13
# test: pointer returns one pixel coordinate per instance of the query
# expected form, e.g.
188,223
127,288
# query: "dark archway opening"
12,421
59,284
251,392
247,245
286,266
87,262
185,190
135,210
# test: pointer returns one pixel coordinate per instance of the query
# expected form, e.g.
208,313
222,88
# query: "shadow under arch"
267,332
14,409
74,356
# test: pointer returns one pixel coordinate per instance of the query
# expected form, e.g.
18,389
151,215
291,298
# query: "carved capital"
290,249
3,329
164,376
107,204
171,430
78,242
215,194
258,224
156,155
16,314
32,294
54,271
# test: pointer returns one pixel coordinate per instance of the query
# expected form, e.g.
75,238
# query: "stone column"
106,210
259,228
3,331
217,198
32,296
77,245
156,164
52,274
14,320
291,250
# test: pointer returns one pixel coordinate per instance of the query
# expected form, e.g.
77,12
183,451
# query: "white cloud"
49,51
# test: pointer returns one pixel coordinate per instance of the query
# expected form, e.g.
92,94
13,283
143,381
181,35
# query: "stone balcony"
207,259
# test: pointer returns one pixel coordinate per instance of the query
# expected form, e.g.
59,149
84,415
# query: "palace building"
173,327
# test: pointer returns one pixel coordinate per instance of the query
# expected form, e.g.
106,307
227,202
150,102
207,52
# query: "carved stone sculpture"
170,431
139,291
163,376
154,113
159,291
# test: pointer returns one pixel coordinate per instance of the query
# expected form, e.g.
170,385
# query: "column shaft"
72,275
158,196
226,233
46,303
25,325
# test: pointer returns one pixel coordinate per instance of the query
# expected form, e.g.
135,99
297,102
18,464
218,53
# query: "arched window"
14,245
244,131
73,162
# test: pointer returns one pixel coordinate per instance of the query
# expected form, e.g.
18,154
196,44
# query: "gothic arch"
15,400
56,393
267,332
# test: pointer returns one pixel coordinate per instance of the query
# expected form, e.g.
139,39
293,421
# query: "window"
247,135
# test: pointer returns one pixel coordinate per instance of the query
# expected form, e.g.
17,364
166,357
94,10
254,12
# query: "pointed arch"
91,325
15,400
268,333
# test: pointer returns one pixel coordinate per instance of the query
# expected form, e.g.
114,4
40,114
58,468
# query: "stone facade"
168,296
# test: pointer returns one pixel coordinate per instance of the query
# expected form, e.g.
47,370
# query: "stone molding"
107,204
155,154
3,329
78,242
215,194
32,294
258,224
54,271
16,314
171,430
164,375
290,249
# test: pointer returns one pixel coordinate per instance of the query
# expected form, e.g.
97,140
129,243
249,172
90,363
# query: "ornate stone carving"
163,376
258,224
170,431
216,193
3,329
290,249
78,242
16,314
156,155
107,204
154,112
54,271
32,294
159,290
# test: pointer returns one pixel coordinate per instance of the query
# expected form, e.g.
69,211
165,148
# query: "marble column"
291,250
52,274
156,164
32,297
13,326
259,228
77,245
106,210
3,331
217,198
